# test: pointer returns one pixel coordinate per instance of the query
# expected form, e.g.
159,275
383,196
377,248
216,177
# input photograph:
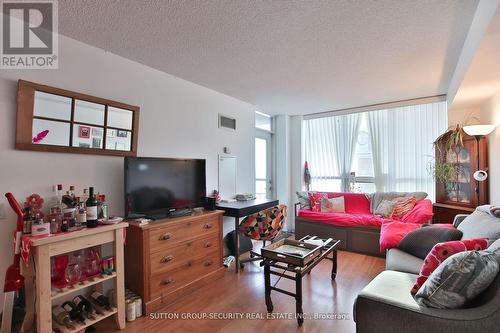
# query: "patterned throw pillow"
385,209
303,198
440,252
333,205
458,280
315,200
402,206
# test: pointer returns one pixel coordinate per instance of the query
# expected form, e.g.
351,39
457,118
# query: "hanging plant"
444,172
452,141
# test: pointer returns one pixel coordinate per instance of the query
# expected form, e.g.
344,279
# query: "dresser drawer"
167,259
183,274
162,238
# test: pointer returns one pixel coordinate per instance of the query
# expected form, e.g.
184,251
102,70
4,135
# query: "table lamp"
479,132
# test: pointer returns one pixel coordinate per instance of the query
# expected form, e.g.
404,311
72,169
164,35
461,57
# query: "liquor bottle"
103,210
74,311
62,317
58,207
81,215
71,192
56,210
84,306
91,209
85,195
100,300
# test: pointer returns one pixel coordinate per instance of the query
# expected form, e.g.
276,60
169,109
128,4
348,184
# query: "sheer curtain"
402,141
329,147
378,128
345,134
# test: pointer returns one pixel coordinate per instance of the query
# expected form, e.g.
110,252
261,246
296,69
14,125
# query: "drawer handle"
165,236
166,259
208,244
208,226
208,263
166,282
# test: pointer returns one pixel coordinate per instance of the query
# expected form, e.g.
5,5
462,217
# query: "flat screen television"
157,186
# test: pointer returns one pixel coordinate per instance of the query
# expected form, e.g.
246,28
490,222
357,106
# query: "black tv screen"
156,185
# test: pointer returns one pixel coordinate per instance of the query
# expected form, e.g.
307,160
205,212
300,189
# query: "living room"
187,165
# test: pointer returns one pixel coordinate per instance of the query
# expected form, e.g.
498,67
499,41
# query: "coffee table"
296,273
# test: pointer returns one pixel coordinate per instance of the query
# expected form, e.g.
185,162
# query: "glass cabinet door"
459,191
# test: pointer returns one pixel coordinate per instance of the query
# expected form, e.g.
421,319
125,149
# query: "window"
263,155
379,150
263,121
362,160
260,167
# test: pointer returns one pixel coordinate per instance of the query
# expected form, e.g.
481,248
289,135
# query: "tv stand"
170,258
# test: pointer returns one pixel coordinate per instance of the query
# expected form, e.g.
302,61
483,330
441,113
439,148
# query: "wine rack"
44,248
60,292
80,326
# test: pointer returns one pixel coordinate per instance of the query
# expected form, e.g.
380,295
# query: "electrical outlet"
3,214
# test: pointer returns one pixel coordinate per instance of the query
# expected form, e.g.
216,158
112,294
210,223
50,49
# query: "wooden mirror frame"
25,113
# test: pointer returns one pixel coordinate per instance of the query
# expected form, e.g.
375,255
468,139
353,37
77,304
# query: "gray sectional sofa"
386,305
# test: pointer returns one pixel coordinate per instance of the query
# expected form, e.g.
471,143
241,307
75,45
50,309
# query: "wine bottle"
91,209
62,317
74,311
84,306
101,300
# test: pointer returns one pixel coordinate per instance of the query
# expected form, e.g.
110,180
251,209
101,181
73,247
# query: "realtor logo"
29,34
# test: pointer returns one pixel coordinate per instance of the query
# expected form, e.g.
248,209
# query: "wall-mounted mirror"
66,121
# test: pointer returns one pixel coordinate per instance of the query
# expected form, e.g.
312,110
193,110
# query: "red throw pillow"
315,199
403,206
441,251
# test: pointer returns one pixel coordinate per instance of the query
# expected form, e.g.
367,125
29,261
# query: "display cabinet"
460,193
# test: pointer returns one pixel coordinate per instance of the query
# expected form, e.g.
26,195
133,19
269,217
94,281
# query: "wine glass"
91,266
58,269
73,273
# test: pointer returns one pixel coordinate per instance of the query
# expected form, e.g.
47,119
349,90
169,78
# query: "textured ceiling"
482,80
293,57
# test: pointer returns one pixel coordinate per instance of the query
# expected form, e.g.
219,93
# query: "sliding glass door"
263,165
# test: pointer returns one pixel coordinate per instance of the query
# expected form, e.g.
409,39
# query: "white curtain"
402,141
345,134
378,128
329,147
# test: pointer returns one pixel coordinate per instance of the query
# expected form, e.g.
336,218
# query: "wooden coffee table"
296,273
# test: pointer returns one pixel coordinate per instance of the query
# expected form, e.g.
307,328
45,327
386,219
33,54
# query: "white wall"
490,114
178,119
283,163
288,156
464,116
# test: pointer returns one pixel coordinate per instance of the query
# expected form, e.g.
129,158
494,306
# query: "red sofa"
357,228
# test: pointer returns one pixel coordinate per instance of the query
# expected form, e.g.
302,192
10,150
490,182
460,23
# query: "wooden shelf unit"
42,249
55,294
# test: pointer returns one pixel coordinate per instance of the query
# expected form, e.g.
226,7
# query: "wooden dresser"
169,258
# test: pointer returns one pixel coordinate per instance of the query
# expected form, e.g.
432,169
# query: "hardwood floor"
244,294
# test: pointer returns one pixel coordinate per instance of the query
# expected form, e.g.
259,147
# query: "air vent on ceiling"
227,122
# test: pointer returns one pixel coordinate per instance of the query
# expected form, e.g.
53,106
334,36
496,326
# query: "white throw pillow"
333,205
